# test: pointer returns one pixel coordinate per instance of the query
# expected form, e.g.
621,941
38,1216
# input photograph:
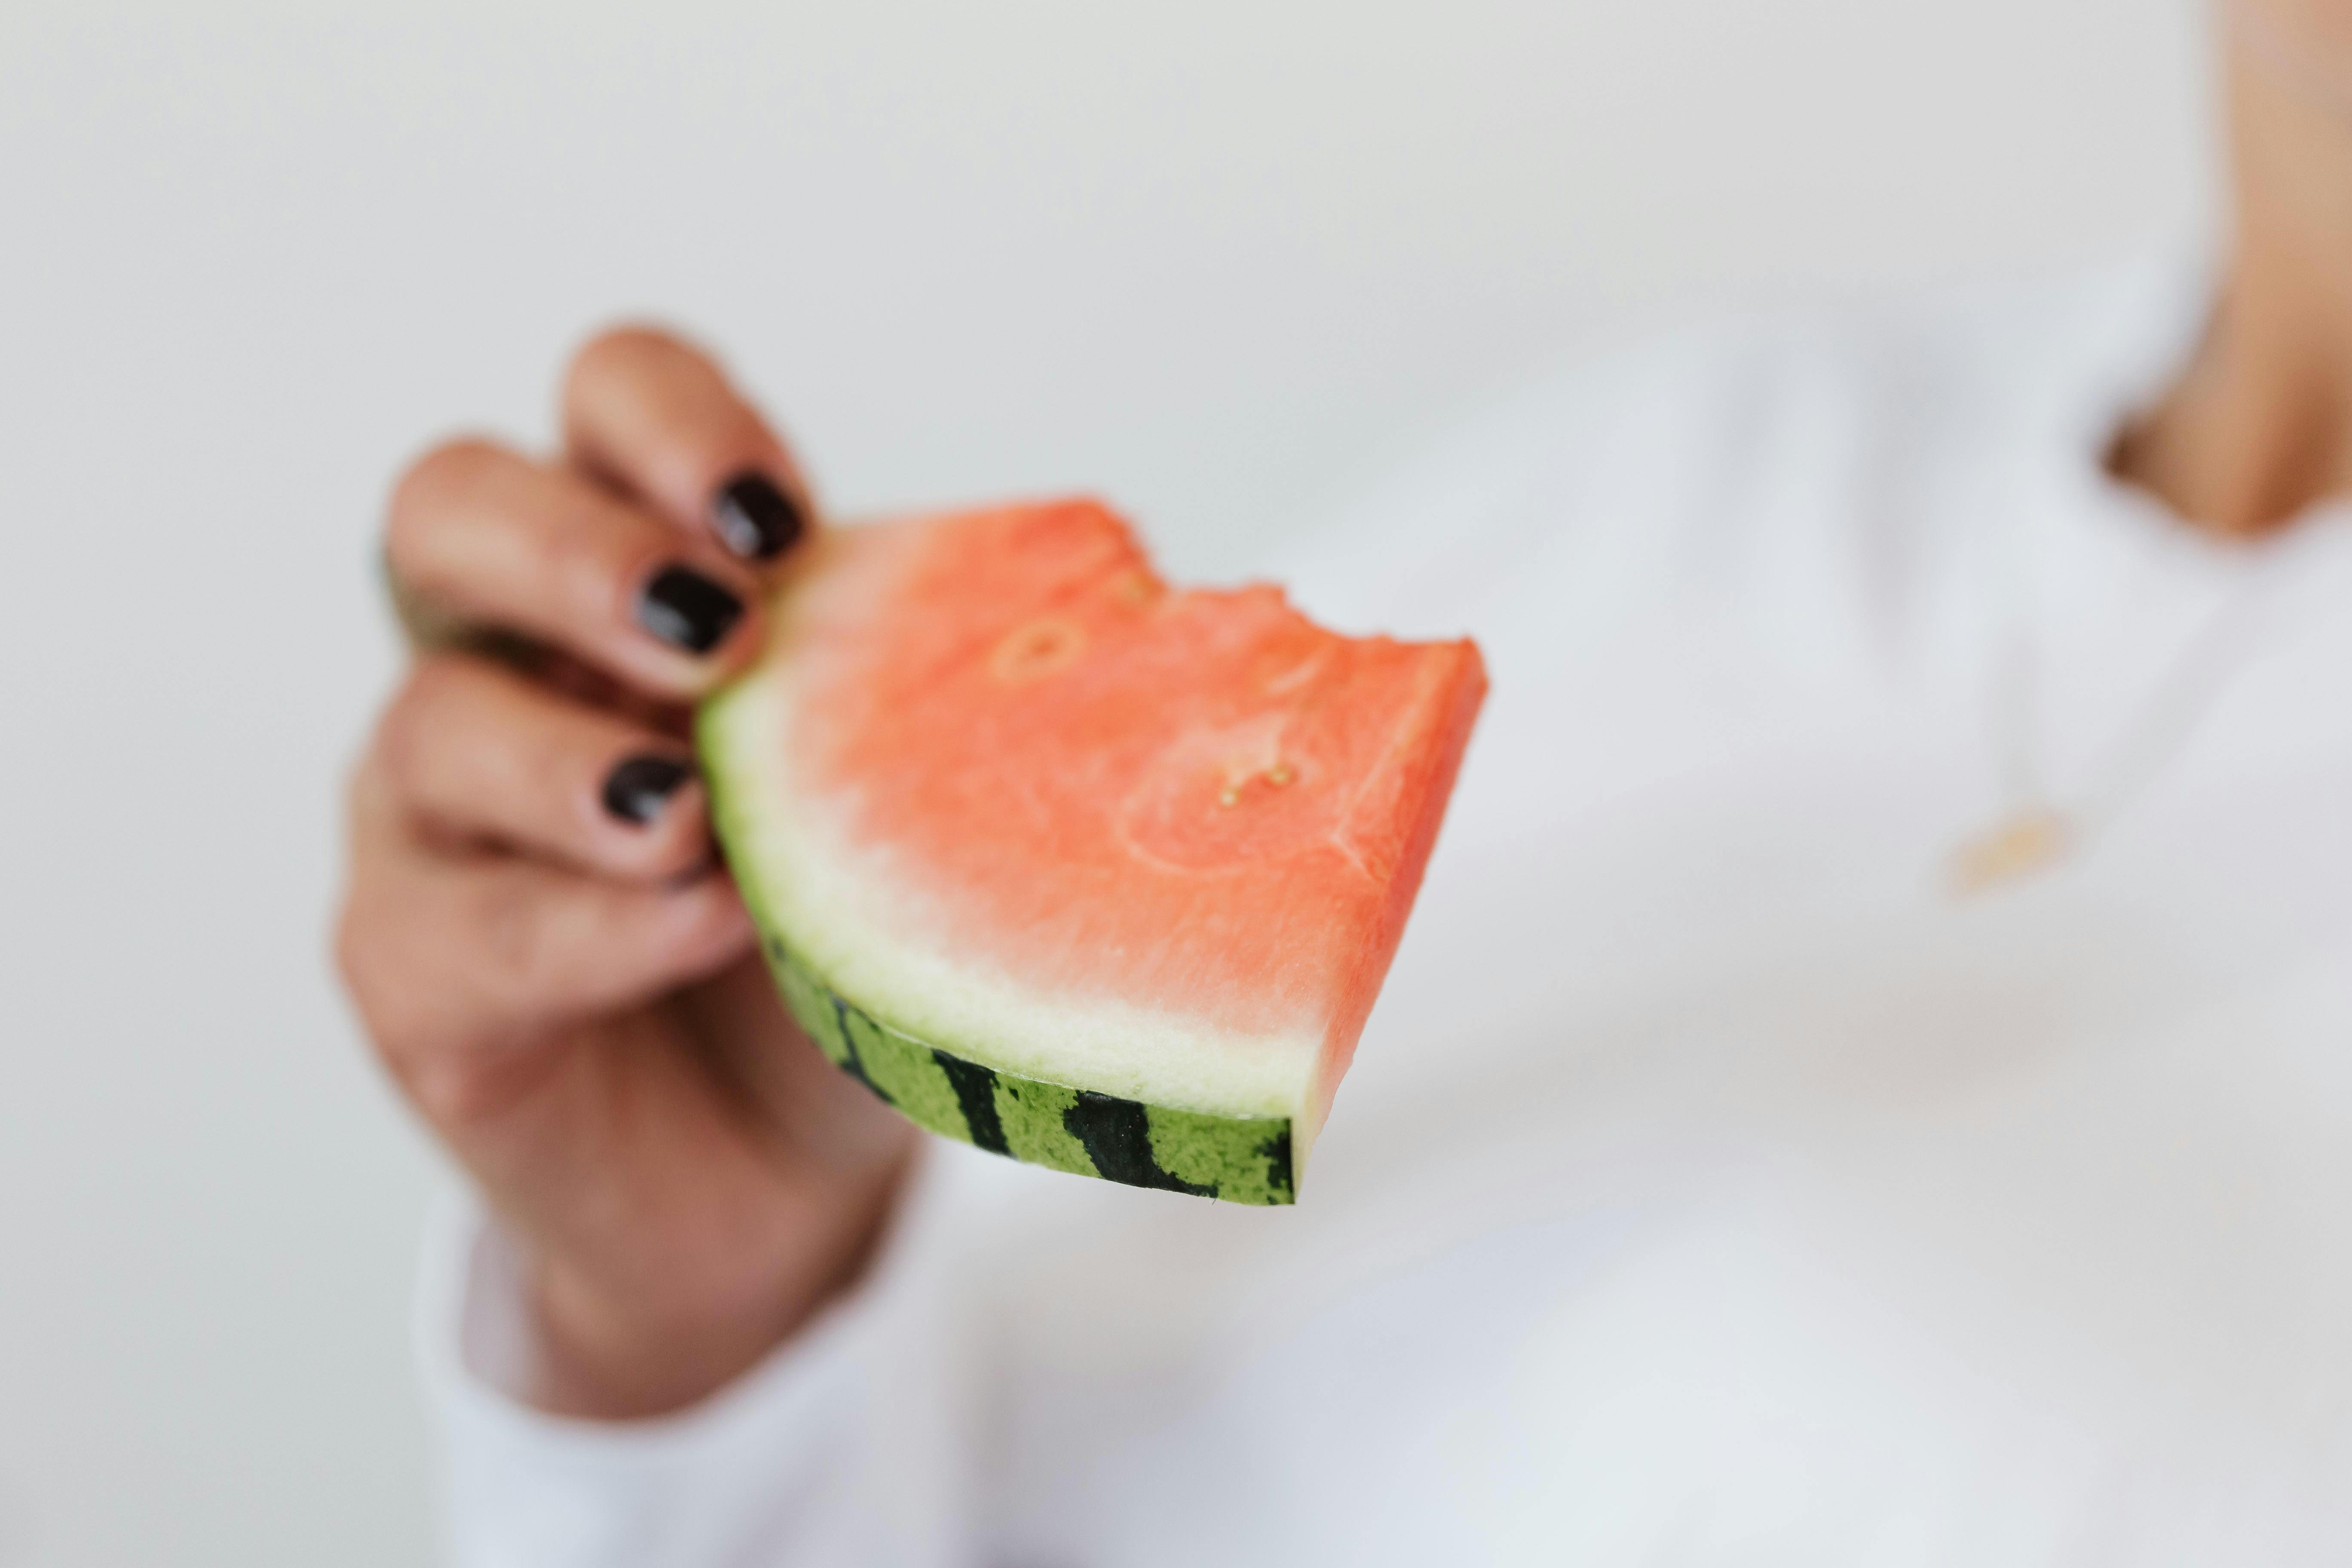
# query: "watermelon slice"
1073,866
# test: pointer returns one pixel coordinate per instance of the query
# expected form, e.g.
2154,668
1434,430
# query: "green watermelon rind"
1243,1159
1237,1159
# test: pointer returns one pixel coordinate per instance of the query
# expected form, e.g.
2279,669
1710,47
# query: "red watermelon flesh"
1071,865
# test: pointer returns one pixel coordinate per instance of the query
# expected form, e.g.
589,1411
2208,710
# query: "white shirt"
1713,1186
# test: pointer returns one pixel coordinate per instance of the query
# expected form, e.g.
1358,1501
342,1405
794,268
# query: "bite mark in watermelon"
1073,866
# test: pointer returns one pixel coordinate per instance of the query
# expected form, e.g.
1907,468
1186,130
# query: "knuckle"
569,776
350,948
447,1094
360,939
456,1088
523,948
415,720
435,483
554,780
420,1000
456,1065
363,792
588,566
628,349
451,468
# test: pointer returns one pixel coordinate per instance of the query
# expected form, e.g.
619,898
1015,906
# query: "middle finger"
490,536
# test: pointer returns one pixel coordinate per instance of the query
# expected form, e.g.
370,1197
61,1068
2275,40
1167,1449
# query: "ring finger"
479,752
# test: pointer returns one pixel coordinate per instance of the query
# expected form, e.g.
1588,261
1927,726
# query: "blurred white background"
1220,260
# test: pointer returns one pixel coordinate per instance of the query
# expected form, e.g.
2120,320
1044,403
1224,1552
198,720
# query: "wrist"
596,1359
607,1354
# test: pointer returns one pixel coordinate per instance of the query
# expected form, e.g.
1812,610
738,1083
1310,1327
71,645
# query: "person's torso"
1714,1182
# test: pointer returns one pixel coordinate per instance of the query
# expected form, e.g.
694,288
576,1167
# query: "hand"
545,952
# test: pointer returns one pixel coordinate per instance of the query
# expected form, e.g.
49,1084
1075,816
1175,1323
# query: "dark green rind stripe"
1241,1159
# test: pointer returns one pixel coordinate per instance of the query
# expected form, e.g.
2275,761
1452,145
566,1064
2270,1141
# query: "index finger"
652,414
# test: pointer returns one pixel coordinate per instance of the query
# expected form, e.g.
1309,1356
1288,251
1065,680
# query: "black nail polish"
636,790
687,609
757,519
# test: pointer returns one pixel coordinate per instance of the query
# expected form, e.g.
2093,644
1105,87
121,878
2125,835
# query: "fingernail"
688,610
756,519
636,790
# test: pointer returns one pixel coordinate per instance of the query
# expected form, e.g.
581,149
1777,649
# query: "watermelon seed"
1229,797
1037,649
1279,774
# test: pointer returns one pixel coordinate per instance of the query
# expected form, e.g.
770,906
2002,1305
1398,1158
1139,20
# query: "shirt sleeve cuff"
781,1465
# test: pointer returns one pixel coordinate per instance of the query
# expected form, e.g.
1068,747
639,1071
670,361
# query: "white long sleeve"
840,1449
